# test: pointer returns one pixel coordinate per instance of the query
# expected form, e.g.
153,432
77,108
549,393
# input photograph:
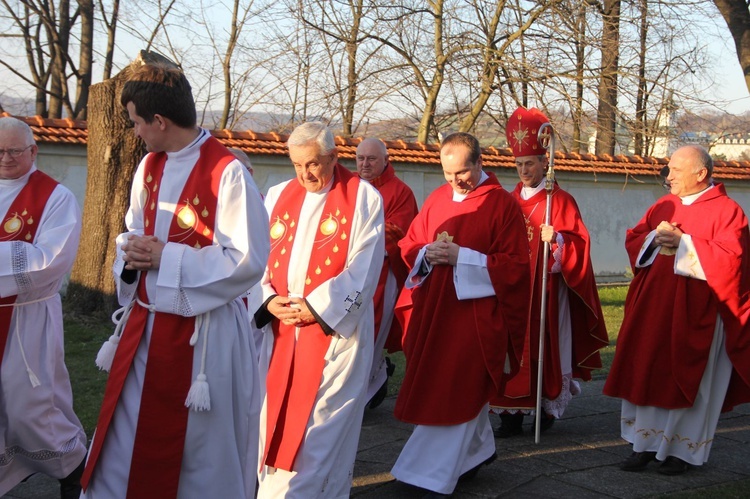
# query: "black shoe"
545,424
70,486
638,461
510,426
673,466
390,367
379,396
468,475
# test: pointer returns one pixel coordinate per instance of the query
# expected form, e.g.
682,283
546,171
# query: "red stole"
20,224
296,365
162,420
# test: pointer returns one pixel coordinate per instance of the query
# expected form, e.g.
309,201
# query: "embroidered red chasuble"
669,323
296,365
162,421
455,349
588,329
20,223
400,209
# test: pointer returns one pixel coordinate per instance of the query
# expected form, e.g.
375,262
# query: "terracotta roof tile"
67,131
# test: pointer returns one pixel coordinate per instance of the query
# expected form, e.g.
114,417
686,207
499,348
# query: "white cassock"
435,457
325,462
684,433
378,371
221,444
39,432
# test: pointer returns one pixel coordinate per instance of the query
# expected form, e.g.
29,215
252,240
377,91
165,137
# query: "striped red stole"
20,223
296,365
162,420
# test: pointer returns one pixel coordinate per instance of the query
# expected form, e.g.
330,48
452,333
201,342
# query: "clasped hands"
668,235
291,310
142,253
442,253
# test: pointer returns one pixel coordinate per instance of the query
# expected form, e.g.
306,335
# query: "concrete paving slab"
577,458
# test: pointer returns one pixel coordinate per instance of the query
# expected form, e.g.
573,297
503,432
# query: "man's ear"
161,120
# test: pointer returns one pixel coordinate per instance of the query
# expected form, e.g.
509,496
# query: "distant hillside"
16,105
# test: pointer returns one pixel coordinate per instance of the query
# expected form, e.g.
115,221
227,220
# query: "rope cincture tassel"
199,397
106,354
33,379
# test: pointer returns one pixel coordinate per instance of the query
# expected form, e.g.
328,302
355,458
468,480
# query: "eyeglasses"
14,153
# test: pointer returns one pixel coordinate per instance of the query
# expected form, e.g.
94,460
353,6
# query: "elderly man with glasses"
39,432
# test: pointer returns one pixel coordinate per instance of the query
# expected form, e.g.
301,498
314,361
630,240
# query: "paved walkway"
577,458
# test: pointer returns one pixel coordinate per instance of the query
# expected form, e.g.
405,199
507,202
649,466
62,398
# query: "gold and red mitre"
522,132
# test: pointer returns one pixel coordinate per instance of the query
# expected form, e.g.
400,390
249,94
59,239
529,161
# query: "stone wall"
608,203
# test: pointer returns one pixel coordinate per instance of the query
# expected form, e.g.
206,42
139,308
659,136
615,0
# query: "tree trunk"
607,111
86,58
113,155
737,16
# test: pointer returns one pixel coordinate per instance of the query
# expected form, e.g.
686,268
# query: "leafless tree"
736,13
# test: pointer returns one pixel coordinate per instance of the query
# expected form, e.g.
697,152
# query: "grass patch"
83,338
613,307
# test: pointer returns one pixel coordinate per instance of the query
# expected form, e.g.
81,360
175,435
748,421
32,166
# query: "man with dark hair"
39,432
181,407
683,354
400,209
574,324
326,253
470,290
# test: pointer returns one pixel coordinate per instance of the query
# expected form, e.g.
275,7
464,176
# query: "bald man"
400,209
682,353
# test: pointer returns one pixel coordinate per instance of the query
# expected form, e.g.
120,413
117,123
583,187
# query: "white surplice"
39,432
221,444
325,462
378,371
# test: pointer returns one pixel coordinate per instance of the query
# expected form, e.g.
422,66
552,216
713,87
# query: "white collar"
692,198
460,197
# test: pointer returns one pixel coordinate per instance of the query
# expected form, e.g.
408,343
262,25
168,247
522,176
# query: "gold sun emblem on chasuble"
13,224
328,226
444,236
277,229
186,218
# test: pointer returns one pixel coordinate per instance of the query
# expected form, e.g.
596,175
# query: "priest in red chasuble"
400,209
683,352
327,246
180,412
39,432
574,324
470,290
